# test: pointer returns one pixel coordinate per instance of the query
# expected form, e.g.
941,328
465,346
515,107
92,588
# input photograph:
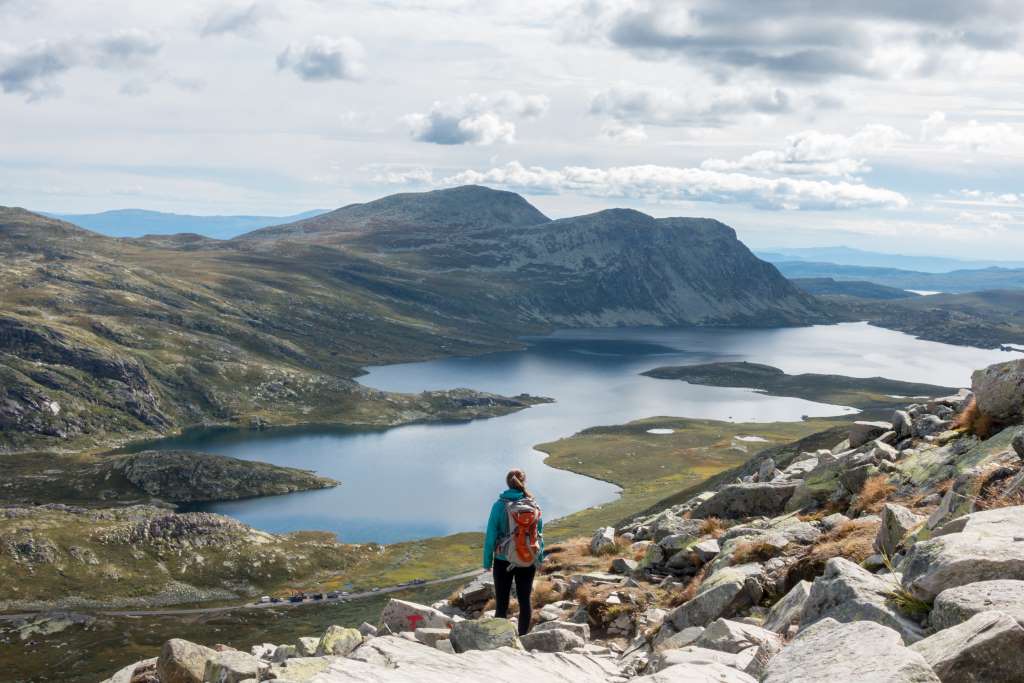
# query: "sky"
891,126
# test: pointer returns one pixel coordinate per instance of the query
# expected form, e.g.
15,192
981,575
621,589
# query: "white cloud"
475,119
654,183
325,59
237,19
616,131
972,136
129,48
812,152
694,107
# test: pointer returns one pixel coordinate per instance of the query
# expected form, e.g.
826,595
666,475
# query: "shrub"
713,527
544,593
853,540
873,494
754,551
973,421
690,590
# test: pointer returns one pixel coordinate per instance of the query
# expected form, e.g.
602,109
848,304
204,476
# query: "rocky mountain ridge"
895,555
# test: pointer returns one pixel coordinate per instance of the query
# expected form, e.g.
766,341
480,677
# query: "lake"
428,480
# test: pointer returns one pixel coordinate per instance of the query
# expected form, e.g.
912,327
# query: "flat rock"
861,432
670,639
484,634
582,630
897,522
833,652
430,636
231,666
847,593
388,659
697,672
182,661
552,640
624,565
789,609
987,647
300,669
691,655
956,605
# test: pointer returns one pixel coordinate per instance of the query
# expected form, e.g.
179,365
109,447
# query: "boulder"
847,593
706,550
127,674
987,647
956,605
376,660
181,661
927,425
832,521
747,500
862,432
766,470
476,594
999,391
282,653
231,666
484,634
788,610
430,636
830,651
722,594
667,523
582,630
306,646
1018,444
902,424
339,641
552,640
604,538
897,523
624,565
400,615
734,637
668,639
982,546
367,629
445,646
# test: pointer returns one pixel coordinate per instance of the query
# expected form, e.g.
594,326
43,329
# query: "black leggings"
503,578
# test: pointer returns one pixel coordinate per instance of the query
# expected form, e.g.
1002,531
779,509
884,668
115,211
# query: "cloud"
475,119
325,59
972,136
616,131
812,152
796,39
654,183
664,107
125,49
34,70
237,19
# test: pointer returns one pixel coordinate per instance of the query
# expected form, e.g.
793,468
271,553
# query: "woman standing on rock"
514,546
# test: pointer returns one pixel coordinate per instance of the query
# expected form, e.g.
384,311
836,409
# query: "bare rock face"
182,662
862,432
987,647
999,391
401,615
858,651
484,634
788,610
897,522
723,594
747,500
956,605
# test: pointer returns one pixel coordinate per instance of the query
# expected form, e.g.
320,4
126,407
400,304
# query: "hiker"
514,547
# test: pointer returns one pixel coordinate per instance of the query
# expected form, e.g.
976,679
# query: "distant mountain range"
104,336
847,256
957,281
139,222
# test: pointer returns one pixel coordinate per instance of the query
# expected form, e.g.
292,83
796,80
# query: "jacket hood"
511,494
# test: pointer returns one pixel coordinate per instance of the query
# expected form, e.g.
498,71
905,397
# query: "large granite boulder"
862,432
789,609
956,605
400,615
722,594
830,652
338,640
897,523
735,636
475,595
846,593
747,500
484,634
603,539
552,640
987,647
982,546
999,391
231,666
181,661
390,659
1018,444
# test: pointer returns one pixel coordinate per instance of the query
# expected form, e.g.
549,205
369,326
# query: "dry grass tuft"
619,547
854,540
993,488
754,551
544,593
690,590
569,556
973,421
584,594
873,495
713,527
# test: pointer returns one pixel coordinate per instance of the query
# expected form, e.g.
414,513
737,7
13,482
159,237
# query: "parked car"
333,595
275,599
299,597
265,599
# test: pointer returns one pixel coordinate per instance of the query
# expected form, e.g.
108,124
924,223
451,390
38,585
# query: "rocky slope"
895,555
103,339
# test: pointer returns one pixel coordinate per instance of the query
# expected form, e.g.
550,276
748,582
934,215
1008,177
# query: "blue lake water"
427,480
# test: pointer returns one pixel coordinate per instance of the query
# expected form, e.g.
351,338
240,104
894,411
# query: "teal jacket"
497,527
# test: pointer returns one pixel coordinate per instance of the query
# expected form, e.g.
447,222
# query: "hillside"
847,256
957,281
855,288
104,338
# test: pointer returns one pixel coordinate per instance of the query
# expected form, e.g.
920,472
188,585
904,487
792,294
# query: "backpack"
522,544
